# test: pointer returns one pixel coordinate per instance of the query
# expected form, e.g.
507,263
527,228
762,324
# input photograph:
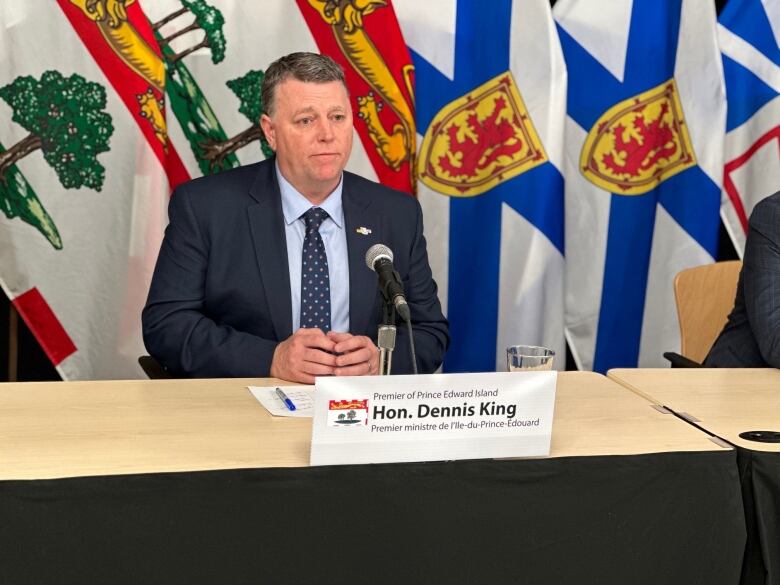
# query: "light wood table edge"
615,378
296,432
693,418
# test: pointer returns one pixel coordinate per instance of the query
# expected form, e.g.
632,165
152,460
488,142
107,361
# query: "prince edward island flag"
490,100
106,106
644,160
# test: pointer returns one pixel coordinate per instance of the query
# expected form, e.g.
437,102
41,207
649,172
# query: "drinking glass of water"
529,358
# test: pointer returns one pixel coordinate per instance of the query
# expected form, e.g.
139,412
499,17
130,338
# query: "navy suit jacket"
751,337
219,302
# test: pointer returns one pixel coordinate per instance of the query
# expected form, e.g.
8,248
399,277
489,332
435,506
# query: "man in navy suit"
232,292
751,337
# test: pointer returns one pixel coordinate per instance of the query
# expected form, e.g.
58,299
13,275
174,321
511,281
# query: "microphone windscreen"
376,252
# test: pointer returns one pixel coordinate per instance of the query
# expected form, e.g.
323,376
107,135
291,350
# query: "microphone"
379,258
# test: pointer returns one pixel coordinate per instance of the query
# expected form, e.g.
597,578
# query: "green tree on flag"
247,90
66,120
207,18
197,119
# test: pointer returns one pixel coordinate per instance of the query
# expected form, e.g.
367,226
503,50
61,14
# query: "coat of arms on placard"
347,413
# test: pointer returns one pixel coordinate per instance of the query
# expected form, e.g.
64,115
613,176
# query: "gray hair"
307,67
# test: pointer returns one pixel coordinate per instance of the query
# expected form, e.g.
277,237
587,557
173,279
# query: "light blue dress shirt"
334,236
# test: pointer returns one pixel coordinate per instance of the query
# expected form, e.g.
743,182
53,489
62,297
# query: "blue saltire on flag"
482,48
691,197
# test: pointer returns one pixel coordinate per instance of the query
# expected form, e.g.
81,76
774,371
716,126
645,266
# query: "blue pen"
284,398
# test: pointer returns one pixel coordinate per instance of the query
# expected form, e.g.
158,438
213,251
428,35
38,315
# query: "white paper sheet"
301,396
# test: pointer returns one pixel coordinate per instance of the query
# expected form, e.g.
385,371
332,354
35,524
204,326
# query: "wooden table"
75,429
192,481
726,403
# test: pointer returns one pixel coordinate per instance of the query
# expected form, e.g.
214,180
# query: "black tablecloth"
760,475
660,518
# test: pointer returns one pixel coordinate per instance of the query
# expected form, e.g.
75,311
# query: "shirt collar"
294,205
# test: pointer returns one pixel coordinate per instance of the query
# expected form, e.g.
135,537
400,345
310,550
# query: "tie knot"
314,218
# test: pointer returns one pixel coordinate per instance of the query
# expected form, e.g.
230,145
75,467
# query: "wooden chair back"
705,297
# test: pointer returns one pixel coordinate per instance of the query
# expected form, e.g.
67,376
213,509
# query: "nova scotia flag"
644,162
490,100
749,34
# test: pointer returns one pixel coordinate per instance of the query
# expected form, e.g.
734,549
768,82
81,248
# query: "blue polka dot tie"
315,281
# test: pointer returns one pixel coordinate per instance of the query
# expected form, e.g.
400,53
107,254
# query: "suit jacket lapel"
266,223
358,220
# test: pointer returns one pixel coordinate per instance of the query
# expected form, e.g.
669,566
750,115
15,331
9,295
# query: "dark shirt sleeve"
430,327
761,277
177,331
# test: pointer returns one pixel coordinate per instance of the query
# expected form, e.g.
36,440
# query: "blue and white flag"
490,104
749,34
644,162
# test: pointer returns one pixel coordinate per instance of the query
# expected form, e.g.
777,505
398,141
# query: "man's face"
311,132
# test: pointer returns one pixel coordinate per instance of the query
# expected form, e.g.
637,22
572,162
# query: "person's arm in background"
761,276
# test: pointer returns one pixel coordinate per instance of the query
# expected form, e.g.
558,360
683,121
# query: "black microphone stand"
386,337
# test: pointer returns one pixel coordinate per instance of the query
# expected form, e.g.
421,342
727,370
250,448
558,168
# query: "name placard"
387,419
